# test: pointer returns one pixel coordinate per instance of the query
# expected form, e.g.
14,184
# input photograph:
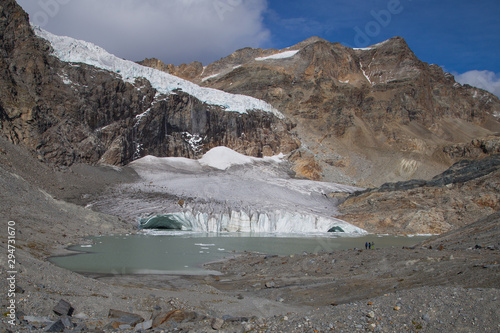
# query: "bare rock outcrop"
467,192
477,148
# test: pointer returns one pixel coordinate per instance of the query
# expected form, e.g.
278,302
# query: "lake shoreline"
279,292
187,253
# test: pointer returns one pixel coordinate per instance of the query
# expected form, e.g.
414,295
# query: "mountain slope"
466,192
71,101
375,114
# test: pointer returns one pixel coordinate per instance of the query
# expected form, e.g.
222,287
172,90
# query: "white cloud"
175,30
486,80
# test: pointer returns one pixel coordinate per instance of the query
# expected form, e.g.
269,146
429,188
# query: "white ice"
223,158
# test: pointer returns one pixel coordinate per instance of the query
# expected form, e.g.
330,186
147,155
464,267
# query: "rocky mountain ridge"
379,106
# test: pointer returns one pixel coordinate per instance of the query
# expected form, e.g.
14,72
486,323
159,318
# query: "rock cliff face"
376,114
72,112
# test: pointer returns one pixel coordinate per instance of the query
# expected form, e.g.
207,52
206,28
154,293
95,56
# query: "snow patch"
195,141
209,77
140,116
371,47
364,73
223,158
65,79
71,50
282,55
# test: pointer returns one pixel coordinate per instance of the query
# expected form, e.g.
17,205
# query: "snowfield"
71,50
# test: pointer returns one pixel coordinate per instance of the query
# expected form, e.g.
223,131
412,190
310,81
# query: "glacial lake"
185,253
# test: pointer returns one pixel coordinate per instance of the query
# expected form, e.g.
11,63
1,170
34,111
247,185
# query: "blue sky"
462,36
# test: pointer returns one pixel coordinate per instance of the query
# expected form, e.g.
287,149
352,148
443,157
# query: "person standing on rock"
366,246
369,246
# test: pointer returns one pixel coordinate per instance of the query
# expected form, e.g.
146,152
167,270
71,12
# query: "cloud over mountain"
486,80
175,31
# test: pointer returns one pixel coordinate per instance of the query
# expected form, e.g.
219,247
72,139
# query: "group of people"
369,246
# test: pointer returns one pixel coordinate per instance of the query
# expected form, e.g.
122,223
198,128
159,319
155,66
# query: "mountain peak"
309,41
398,42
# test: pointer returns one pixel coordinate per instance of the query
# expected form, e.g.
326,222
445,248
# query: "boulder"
63,308
217,323
124,318
176,315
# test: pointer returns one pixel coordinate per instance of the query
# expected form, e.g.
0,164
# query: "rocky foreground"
423,289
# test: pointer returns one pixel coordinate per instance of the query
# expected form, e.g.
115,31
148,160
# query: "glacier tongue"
225,192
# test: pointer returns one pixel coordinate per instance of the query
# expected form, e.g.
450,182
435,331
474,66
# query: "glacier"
72,50
253,222
225,191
